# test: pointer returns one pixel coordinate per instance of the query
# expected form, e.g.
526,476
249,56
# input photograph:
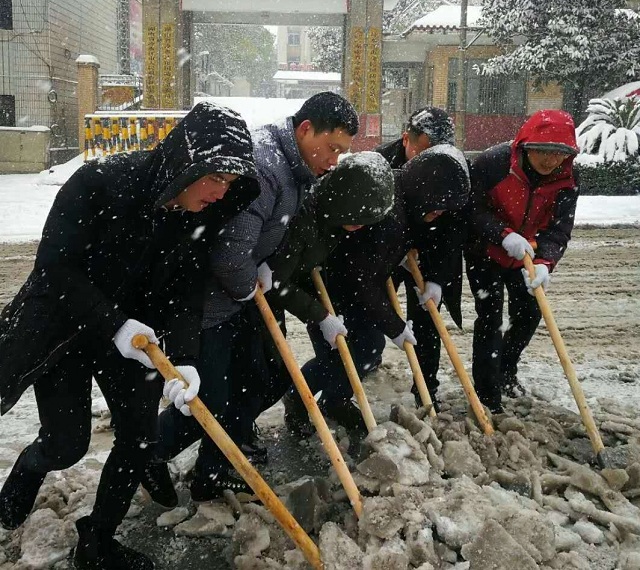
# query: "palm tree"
612,129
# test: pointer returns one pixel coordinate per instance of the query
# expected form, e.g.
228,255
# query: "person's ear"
405,139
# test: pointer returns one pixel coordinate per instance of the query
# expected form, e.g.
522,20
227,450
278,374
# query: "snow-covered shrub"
611,131
609,178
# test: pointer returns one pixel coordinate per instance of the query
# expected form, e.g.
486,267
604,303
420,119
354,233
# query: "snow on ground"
27,198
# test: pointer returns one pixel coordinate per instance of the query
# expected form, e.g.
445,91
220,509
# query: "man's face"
414,145
320,151
544,162
207,190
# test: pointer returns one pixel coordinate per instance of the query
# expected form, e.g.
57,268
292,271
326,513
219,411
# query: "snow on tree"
578,44
612,129
326,47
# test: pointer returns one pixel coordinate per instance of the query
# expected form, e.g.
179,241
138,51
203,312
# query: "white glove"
405,263
123,337
175,391
265,277
542,278
516,246
406,334
431,291
331,326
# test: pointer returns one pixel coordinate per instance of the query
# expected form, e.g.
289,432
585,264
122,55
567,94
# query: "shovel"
235,456
418,377
467,386
343,349
310,403
569,370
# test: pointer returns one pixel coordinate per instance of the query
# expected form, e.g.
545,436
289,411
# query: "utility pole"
461,86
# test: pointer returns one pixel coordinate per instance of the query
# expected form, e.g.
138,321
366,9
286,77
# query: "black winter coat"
110,251
440,245
359,267
359,191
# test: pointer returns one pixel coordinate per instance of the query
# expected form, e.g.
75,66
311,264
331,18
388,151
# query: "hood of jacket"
435,179
359,191
209,139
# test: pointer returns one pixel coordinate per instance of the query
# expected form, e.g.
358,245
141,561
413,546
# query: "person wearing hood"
446,232
357,271
524,197
123,252
290,156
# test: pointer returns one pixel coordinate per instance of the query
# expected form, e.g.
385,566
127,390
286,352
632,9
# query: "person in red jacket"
524,196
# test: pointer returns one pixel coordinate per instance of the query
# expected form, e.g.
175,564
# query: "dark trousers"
425,331
236,384
63,396
495,356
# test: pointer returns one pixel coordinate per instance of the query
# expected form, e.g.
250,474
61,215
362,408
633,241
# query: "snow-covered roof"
328,77
626,90
445,18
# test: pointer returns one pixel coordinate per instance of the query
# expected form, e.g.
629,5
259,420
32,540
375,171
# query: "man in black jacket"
445,233
123,252
357,272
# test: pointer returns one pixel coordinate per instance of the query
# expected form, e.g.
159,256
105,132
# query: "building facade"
40,41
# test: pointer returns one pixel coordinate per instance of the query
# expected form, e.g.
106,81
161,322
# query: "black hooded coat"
110,251
436,179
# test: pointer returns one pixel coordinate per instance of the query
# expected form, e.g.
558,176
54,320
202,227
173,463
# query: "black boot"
156,481
418,399
211,488
98,550
19,493
511,387
343,412
253,448
296,417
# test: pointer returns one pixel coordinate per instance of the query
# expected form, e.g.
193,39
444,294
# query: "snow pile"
439,494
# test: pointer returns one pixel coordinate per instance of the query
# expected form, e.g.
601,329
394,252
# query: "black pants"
425,331
63,396
496,356
236,384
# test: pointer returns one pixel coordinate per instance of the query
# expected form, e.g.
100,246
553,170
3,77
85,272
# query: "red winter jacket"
505,200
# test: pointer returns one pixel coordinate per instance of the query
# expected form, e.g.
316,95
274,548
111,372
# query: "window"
395,78
6,15
7,111
293,38
487,94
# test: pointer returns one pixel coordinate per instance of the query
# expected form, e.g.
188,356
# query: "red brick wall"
483,131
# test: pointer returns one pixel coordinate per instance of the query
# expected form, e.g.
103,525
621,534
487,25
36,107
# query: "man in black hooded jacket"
445,233
123,252
357,272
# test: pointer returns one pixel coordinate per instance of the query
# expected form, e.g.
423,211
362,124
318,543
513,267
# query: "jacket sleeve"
230,260
484,221
552,241
68,234
287,293
441,248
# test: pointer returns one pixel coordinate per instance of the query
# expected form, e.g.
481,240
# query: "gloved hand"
331,326
405,262
431,291
542,278
516,246
175,391
124,335
406,334
265,277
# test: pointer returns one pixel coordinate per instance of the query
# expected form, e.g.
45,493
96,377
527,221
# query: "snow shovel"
310,403
418,377
567,366
235,456
467,386
343,349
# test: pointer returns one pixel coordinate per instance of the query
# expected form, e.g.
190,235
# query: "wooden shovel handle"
343,349
412,357
567,365
310,403
235,456
461,371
